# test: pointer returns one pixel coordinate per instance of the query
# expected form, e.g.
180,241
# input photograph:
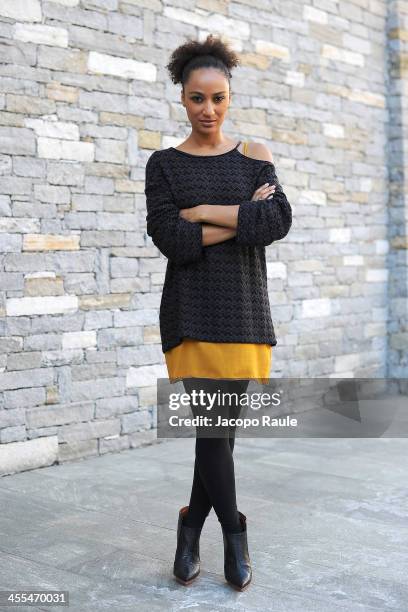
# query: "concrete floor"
327,528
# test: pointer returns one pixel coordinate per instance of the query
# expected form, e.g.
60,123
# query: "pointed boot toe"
187,559
237,564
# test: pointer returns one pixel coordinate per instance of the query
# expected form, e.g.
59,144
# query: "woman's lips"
207,122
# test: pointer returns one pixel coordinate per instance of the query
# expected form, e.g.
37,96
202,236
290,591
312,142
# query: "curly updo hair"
193,54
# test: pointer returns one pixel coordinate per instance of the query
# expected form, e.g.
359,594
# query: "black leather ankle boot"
237,564
187,559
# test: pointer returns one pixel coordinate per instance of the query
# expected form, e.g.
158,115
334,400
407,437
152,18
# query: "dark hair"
211,53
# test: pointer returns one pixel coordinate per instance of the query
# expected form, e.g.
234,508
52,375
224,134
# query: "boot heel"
237,564
187,559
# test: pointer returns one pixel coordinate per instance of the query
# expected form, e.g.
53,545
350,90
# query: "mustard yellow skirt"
201,359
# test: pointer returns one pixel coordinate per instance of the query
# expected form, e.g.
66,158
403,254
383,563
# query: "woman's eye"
198,99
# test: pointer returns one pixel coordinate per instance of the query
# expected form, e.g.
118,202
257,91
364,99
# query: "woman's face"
206,98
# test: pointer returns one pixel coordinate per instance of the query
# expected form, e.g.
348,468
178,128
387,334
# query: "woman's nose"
209,110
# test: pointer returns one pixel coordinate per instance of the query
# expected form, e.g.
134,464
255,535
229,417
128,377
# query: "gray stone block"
28,455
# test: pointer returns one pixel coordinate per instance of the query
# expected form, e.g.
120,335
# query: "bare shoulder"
259,150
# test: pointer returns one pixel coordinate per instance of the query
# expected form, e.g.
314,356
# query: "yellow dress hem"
219,360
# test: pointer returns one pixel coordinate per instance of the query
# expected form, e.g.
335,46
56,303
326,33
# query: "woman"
212,208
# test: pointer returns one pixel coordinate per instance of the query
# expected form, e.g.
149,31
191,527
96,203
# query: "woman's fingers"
265,189
263,192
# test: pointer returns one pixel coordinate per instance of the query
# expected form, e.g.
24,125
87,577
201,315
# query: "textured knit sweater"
217,292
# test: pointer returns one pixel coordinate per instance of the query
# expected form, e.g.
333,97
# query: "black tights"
214,476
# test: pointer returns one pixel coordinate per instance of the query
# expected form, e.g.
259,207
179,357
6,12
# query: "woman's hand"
263,192
193,214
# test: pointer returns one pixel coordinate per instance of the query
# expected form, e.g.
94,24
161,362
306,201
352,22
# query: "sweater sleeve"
178,239
261,222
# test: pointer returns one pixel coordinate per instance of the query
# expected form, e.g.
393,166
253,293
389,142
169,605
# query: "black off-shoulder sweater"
218,292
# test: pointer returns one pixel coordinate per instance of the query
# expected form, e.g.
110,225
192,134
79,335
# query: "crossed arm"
219,223
213,234
181,234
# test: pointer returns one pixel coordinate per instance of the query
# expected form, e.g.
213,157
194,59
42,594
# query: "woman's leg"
200,504
214,477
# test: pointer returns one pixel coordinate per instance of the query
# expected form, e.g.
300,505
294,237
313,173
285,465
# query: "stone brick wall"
84,100
397,84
